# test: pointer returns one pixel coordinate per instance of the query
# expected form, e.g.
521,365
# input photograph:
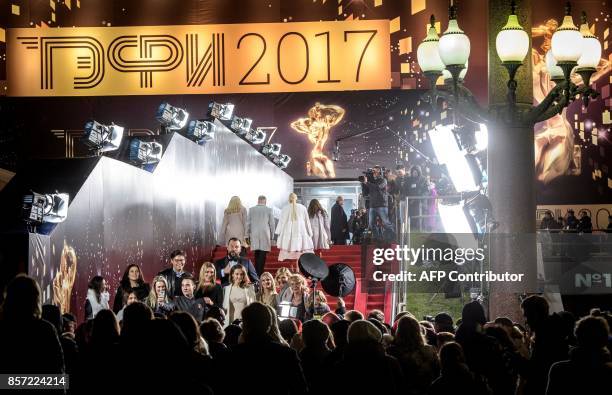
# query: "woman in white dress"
319,221
294,231
234,222
238,295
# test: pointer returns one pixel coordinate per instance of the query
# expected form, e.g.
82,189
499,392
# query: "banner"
197,59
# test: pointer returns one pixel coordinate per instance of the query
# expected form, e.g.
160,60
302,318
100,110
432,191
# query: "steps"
349,255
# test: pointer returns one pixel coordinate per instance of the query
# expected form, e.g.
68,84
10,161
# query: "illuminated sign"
197,59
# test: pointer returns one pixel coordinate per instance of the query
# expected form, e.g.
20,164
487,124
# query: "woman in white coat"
294,231
238,295
319,221
234,222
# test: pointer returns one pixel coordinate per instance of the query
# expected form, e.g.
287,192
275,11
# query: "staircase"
350,255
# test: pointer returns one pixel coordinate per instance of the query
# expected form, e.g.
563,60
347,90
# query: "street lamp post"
510,119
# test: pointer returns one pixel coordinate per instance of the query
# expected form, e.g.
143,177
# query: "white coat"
321,235
260,227
294,236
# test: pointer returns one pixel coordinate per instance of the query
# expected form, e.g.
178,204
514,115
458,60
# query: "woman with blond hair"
238,295
234,222
296,295
208,289
267,290
159,300
294,230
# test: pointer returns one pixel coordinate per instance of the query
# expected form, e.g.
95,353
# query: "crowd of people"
167,343
384,199
569,223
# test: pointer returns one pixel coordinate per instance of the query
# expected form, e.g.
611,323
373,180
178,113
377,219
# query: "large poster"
573,150
195,59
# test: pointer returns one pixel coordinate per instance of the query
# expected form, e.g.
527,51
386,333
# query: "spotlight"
453,218
201,131
145,153
222,112
49,208
282,161
171,118
461,167
271,150
478,211
241,126
102,138
256,136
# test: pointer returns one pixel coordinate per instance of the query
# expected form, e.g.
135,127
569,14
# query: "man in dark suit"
224,265
339,223
175,274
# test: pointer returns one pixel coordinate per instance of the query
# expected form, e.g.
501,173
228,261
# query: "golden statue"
64,279
321,118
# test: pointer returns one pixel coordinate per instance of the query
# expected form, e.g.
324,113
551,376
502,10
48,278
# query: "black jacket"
215,294
338,223
225,280
377,190
195,306
142,291
174,281
416,186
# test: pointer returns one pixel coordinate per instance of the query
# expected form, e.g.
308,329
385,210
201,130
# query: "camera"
369,173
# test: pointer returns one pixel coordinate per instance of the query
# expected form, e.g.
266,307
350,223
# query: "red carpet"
370,296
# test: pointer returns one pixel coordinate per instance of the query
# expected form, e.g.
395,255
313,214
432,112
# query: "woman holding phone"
159,301
208,289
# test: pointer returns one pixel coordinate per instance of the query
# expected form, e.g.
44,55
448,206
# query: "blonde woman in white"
234,222
294,230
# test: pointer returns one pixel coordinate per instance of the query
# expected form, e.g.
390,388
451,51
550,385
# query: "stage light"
49,208
256,136
171,118
271,150
462,168
282,161
201,131
145,153
102,138
453,218
478,211
241,126
482,137
222,112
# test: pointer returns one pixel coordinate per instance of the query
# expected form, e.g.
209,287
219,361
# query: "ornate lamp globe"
428,54
454,45
555,72
567,43
591,52
512,42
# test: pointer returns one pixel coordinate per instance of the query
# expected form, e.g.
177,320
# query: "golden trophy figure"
321,118
64,279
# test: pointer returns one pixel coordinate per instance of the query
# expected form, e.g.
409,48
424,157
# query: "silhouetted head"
105,328
473,313
22,299
135,318
315,334
592,333
256,320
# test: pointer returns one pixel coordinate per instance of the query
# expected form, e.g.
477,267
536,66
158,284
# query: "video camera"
369,173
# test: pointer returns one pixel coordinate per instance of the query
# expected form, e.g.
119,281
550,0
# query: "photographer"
376,187
416,186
